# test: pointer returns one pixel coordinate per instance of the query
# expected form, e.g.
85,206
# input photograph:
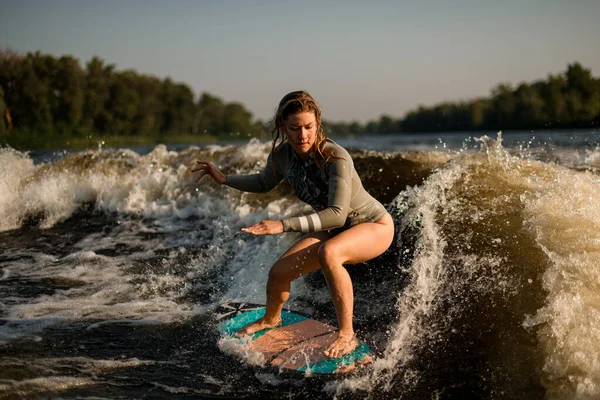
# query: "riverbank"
24,141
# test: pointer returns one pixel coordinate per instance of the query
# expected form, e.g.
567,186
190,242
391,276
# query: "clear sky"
359,58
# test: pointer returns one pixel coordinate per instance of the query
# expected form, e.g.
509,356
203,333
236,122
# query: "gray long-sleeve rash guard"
334,191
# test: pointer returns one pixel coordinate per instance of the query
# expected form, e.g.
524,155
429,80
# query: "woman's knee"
329,254
280,273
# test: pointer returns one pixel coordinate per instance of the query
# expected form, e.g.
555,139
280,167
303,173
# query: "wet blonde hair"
294,103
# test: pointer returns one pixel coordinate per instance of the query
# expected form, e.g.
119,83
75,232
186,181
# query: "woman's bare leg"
360,243
300,259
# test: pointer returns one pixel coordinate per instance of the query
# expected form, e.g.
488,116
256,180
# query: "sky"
359,59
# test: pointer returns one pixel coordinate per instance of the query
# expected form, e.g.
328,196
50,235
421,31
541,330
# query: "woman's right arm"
208,168
262,182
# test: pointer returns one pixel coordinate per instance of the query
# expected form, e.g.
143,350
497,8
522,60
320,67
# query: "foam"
242,349
54,384
15,167
37,386
102,291
14,328
565,220
592,157
561,213
154,194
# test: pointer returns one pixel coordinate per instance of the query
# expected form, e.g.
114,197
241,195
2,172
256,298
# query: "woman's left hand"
266,227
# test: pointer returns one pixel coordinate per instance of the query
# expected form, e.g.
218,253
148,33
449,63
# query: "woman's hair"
294,103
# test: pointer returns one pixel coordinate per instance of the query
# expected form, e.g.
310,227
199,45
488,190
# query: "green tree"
236,119
583,93
355,128
260,129
529,107
555,105
179,110
123,104
31,96
68,94
478,110
149,118
211,111
10,64
372,127
503,107
48,96
387,125
3,109
98,77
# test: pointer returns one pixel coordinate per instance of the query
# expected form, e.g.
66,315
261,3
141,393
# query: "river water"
112,260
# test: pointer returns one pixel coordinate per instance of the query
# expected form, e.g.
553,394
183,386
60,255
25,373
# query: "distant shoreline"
49,102
112,141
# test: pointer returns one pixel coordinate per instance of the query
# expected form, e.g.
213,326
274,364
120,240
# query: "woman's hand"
208,168
266,227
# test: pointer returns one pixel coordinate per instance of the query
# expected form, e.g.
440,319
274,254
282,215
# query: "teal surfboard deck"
296,345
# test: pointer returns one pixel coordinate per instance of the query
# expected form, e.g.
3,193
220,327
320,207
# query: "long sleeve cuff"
313,222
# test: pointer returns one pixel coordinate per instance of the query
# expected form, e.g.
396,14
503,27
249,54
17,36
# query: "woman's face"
301,131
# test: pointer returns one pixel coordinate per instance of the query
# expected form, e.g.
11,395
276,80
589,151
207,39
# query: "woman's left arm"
334,216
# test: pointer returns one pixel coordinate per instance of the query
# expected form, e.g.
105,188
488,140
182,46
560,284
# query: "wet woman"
348,226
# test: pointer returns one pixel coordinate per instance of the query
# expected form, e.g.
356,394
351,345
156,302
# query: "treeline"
569,100
44,95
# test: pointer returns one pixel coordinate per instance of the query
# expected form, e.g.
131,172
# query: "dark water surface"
112,260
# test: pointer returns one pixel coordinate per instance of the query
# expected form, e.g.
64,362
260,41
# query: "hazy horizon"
360,60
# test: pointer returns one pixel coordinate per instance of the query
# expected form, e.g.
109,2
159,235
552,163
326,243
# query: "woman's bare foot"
341,346
258,325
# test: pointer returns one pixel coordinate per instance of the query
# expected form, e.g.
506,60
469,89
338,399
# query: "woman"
348,225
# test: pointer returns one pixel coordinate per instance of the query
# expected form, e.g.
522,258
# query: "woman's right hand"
208,168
